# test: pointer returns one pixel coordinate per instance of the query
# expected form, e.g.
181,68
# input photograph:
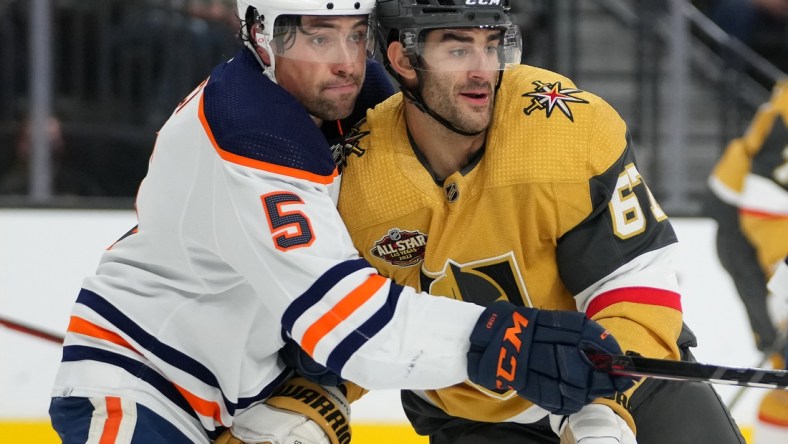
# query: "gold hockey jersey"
753,176
554,214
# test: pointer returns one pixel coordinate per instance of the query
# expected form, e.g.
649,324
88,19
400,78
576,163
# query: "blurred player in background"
67,178
240,247
750,204
487,180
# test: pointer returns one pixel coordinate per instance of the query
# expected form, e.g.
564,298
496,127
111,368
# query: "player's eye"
318,40
358,37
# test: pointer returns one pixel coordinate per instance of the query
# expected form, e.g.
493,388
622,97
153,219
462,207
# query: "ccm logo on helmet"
483,2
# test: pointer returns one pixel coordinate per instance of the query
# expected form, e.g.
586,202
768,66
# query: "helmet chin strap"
417,98
268,70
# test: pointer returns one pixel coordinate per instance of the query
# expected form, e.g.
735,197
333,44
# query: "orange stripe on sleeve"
202,406
83,327
637,295
258,164
112,423
340,312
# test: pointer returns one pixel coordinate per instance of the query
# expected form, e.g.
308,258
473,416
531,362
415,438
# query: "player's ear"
259,40
400,61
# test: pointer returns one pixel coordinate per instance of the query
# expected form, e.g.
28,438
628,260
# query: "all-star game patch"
551,96
401,248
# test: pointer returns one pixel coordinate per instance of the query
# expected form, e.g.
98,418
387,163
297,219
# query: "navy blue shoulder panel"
252,117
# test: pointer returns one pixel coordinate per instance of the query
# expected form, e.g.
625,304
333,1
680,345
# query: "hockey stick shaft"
30,330
776,347
634,365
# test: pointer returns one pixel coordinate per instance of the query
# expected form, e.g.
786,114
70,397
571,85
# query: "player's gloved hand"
299,412
539,354
593,424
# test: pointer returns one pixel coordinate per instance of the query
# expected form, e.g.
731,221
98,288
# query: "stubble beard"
333,108
441,96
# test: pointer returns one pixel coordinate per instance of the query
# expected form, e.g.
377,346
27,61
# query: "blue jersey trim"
318,290
251,116
339,357
152,345
72,353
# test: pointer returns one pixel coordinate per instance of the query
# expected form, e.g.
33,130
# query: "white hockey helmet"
270,10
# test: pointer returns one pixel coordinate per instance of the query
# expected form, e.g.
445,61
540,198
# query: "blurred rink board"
44,254
39,432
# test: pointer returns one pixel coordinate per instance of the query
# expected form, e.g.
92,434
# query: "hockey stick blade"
633,364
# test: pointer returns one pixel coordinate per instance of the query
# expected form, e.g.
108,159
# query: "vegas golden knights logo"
551,96
481,282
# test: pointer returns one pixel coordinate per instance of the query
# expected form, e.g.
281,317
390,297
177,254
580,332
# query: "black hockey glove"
539,353
304,365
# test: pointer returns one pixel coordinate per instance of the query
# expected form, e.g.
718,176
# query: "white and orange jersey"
239,243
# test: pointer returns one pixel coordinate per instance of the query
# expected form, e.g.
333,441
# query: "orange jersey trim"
636,295
112,424
83,327
204,407
259,164
340,312
201,406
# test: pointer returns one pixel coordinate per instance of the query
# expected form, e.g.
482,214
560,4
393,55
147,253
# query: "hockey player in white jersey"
239,247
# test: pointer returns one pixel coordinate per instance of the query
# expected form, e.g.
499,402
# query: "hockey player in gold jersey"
750,204
506,181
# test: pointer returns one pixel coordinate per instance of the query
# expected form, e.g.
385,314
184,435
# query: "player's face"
461,69
325,65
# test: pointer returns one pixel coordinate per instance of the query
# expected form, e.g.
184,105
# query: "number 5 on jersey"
289,228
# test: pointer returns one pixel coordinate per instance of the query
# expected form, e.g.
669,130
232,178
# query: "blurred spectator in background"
761,24
120,69
750,204
530,17
68,179
163,51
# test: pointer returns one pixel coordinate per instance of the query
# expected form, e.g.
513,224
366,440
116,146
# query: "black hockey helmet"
407,20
